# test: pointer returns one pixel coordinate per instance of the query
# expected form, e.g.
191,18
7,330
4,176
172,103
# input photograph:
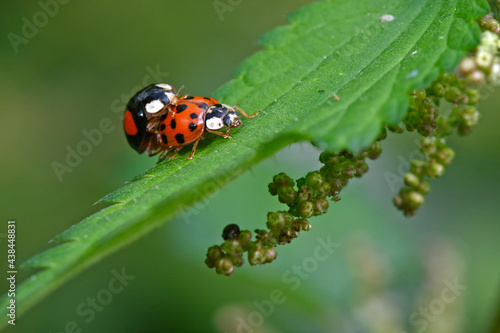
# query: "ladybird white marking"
214,123
171,96
386,18
165,86
154,106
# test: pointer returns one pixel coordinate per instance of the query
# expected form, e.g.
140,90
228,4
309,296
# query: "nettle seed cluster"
460,91
307,197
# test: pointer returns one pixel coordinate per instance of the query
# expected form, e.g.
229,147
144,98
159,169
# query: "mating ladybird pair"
157,120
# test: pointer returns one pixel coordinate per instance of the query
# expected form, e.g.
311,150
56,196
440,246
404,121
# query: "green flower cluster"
305,198
460,91
424,118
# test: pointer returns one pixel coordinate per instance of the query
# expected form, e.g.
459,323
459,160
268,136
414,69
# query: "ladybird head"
232,118
222,115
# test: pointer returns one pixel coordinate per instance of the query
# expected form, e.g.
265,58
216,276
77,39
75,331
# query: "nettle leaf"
334,76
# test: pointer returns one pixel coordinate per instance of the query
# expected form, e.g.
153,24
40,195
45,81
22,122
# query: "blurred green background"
84,63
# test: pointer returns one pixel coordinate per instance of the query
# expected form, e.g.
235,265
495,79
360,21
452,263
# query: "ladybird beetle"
191,119
143,108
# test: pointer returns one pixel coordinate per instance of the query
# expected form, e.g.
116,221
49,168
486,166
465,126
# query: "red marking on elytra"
129,124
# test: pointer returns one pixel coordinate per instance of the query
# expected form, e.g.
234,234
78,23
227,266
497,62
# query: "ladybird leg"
163,152
194,148
152,123
153,153
154,148
224,135
176,151
246,115
153,145
149,150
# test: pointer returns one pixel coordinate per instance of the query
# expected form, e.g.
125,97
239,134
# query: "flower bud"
232,246
467,66
445,156
305,225
245,237
306,209
283,179
256,256
428,145
286,236
434,169
224,266
375,150
412,180
361,168
286,194
452,94
269,255
213,254
320,206
314,179
424,187
328,158
276,221
273,188
476,77
349,171
414,200
438,89
474,96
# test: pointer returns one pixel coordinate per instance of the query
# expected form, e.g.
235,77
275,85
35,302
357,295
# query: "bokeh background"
84,63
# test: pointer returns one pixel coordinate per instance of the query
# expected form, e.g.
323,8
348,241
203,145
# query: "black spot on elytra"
162,127
180,138
189,97
193,116
192,127
164,138
208,99
173,124
164,116
181,107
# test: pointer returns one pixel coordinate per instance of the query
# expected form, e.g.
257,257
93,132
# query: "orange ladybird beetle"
180,122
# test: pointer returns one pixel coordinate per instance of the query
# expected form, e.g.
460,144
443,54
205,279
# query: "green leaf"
334,76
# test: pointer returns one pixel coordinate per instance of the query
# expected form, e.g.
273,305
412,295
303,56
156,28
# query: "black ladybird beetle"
147,104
